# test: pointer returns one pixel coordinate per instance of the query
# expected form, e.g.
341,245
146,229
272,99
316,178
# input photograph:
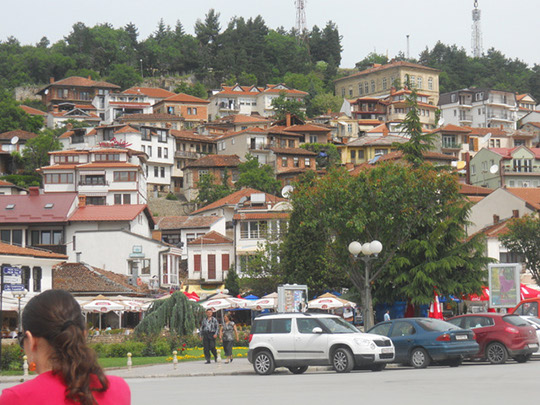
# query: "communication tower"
300,17
476,32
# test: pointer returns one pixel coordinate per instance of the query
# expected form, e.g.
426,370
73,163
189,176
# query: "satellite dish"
287,190
46,91
14,140
242,200
486,137
494,169
460,165
440,122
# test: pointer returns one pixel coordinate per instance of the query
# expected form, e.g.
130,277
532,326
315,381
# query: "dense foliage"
524,238
258,176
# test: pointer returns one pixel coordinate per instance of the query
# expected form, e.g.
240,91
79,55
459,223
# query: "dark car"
500,336
419,341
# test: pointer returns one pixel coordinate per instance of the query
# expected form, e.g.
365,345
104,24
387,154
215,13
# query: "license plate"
462,337
533,346
387,350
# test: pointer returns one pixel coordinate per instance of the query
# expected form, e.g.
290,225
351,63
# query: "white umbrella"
223,303
329,301
100,305
267,302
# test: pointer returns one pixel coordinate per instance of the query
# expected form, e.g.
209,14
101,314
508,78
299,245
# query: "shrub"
101,349
130,346
171,196
12,357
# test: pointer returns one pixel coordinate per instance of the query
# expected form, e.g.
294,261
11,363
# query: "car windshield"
338,325
435,325
515,320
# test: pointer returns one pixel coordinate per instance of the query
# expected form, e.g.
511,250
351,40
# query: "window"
166,153
107,157
170,110
307,162
225,262
384,83
430,83
402,329
211,259
343,92
59,178
419,82
189,111
306,325
366,87
162,135
95,200
479,96
280,326
159,152
373,86
36,275
92,180
26,277
295,162
156,171
124,176
196,262
350,91
108,134
120,199
84,95
12,236
412,81
283,161
313,139
162,169
360,89
453,99
353,154
62,93
349,128
66,159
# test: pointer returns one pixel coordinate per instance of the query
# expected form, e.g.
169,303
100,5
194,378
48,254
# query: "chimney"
89,77
495,219
82,201
392,90
51,80
376,65
33,191
288,120
168,125
515,213
69,126
502,127
55,108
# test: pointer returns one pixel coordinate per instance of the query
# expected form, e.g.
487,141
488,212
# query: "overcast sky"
366,25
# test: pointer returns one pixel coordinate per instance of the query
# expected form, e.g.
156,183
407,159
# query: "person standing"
227,334
209,331
54,339
387,315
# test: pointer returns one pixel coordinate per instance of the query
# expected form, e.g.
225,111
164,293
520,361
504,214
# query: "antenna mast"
476,32
300,17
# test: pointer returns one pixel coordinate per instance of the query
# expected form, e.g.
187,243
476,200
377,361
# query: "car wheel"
455,362
342,360
419,358
378,367
298,370
496,353
523,358
263,363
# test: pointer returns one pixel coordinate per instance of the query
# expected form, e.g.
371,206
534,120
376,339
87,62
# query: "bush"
122,349
171,196
101,349
12,357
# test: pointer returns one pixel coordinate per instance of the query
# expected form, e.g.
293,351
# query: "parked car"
535,323
500,336
300,340
528,306
419,341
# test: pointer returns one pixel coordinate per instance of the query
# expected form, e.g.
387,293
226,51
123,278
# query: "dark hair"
56,316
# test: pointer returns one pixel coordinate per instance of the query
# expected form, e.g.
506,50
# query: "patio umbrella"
223,303
528,292
100,304
478,298
330,301
267,302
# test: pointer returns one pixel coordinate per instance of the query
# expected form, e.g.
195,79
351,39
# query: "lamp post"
19,295
140,60
370,251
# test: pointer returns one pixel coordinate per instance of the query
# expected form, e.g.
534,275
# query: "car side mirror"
317,330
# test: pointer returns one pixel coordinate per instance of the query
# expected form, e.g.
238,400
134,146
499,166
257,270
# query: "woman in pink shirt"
54,339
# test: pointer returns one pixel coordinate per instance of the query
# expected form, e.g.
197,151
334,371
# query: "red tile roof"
260,215
57,167
369,122
293,151
211,238
18,133
192,136
126,129
216,161
152,92
32,111
529,195
181,222
306,128
31,208
387,66
12,250
470,190
534,124
77,81
248,90
241,119
185,98
114,165
4,183
108,213
127,104
230,134
234,198
427,156
496,230
150,117
453,128
497,132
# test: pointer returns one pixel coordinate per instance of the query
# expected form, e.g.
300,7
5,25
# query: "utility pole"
476,39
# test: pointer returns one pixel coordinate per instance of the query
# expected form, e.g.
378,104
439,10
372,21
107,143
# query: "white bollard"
219,356
175,359
129,362
25,366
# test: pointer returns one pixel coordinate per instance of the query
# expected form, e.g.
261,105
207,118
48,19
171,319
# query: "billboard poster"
292,298
504,285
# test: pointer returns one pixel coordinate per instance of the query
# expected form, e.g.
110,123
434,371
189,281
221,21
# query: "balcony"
500,117
465,118
451,145
93,183
187,155
500,101
61,249
223,106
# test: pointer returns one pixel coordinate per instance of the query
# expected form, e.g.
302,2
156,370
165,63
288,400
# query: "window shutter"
197,259
225,261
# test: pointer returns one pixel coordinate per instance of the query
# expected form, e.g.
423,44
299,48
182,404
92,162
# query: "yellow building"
379,79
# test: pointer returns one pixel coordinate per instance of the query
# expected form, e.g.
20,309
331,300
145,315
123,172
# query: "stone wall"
27,92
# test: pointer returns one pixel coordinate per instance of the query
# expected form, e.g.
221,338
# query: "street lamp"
370,251
19,295
140,60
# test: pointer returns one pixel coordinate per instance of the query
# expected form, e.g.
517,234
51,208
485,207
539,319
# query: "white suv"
299,340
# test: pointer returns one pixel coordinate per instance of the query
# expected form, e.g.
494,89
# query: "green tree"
12,117
177,313
283,106
197,89
36,151
322,103
370,60
124,76
327,154
257,176
232,282
209,191
416,213
262,270
523,237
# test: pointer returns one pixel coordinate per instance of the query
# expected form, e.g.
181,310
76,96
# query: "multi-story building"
218,166
154,94
379,79
235,123
485,108
526,104
246,100
193,110
104,176
77,90
190,146
153,120
506,167
61,113
453,140
117,105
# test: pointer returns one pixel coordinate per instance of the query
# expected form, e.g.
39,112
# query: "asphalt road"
478,383
471,383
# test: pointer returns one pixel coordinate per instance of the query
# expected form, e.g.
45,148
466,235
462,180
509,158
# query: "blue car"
420,341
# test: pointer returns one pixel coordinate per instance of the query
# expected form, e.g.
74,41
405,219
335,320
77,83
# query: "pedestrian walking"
227,334
387,315
209,331
54,340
